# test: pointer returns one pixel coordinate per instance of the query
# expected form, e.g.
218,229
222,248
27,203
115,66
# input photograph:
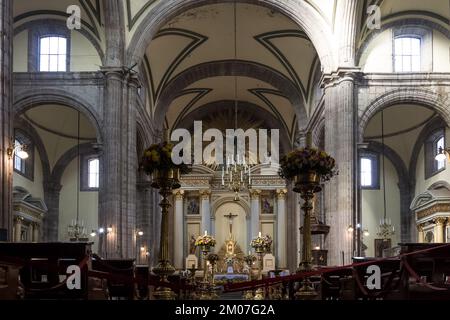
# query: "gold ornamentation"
281,194
440,207
254,194
441,221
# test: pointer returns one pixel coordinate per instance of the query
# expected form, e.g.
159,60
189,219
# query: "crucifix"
230,219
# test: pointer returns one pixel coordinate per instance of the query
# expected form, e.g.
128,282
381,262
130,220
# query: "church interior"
89,86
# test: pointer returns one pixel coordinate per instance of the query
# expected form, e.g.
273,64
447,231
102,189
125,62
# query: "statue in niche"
192,245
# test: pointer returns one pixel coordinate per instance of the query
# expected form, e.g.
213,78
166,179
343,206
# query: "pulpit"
432,211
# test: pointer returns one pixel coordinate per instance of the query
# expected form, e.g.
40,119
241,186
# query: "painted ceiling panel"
213,26
166,49
440,7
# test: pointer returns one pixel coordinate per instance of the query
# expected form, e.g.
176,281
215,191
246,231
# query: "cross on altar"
230,220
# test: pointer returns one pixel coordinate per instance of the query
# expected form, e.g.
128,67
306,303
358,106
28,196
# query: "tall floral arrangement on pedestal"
307,168
158,157
305,160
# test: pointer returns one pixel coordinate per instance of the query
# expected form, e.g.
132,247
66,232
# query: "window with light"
369,170
53,54
439,144
93,173
407,57
19,163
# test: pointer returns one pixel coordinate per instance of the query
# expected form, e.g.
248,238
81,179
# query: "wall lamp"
18,149
365,232
442,154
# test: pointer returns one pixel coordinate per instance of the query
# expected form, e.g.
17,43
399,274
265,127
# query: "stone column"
6,116
254,213
420,233
178,227
17,228
144,200
51,219
340,192
281,229
117,196
439,230
205,211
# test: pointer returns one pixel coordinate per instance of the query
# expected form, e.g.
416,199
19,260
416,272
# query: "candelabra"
77,231
385,229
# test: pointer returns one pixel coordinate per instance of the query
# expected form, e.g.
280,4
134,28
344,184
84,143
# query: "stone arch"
61,23
298,11
414,96
60,97
20,123
431,126
230,198
230,68
198,113
414,22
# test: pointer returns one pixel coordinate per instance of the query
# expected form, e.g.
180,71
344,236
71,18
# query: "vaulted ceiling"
205,37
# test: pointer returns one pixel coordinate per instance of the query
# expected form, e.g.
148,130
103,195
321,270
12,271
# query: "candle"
259,234
249,252
206,233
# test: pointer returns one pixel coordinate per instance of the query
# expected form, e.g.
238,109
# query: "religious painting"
380,245
193,207
267,204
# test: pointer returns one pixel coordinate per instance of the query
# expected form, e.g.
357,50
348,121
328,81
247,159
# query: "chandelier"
385,228
236,173
76,230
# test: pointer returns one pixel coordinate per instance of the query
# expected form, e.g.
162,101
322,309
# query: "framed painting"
193,206
267,204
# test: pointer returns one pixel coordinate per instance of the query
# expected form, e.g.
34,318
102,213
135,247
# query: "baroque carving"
441,207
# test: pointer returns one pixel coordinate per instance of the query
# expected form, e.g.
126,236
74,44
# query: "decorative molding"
264,40
197,40
65,15
440,207
133,19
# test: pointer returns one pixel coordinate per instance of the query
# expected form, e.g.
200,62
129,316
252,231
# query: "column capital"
420,227
179,194
281,194
205,194
341,74
255,193
440,221
18,219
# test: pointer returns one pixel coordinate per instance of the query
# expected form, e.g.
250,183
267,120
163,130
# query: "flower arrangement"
205,241
159,157
213,258
262,243
305,160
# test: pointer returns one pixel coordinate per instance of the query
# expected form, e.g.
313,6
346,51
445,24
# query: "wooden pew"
43,266
121,283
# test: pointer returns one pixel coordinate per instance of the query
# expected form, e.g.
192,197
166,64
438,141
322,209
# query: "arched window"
53,54
90,172
369,170
435,141
407,54
24,167
93,172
